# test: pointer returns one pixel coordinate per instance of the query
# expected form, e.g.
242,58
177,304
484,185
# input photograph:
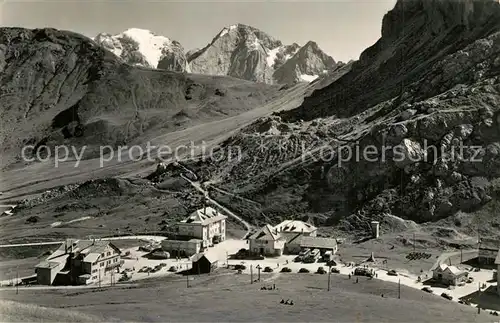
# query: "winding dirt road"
199,187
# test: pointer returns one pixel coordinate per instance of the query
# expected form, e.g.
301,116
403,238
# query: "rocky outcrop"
239,51
416,35
174,59
308,63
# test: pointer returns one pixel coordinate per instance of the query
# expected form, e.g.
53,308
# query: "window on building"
94,277
101,264
94,270
108,262
102,254
109,253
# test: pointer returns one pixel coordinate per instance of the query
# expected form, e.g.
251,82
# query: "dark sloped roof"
265,231
317,242
210,256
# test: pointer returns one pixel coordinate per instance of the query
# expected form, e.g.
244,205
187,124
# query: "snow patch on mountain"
308,78
150,45
272,54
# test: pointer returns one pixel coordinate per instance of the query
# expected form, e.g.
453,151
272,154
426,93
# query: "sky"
342,28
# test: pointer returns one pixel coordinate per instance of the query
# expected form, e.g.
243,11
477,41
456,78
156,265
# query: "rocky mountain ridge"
61,88
239,51
430,87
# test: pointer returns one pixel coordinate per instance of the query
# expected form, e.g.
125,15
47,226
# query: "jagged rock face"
239,51
309,63
415,35
248,53
143,48
433,119
174,59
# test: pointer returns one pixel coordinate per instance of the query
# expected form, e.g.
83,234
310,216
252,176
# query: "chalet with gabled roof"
78,262
267,241
205,224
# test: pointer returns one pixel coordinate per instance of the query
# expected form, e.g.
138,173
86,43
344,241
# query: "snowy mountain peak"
226,30
142,47
237,50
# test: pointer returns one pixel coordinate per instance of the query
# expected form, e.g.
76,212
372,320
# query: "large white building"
207,225
78,262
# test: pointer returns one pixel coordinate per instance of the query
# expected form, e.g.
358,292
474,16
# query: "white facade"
187,247
449,275
206,224
266,242
267,247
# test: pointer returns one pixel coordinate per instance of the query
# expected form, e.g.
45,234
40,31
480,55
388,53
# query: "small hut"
204,263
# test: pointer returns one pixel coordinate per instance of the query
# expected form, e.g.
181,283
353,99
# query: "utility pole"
399,289
99,277
258,269
251,274
479,296
17,280
227,259
187,281
461,255
329,275
414,242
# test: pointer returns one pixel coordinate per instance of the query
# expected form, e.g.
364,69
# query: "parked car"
321,271
447,296
392,272
362,272
242,254
335,271
313,256
470,280
268,269
303,254
240,267
144,269
427,289
286,270
172,269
